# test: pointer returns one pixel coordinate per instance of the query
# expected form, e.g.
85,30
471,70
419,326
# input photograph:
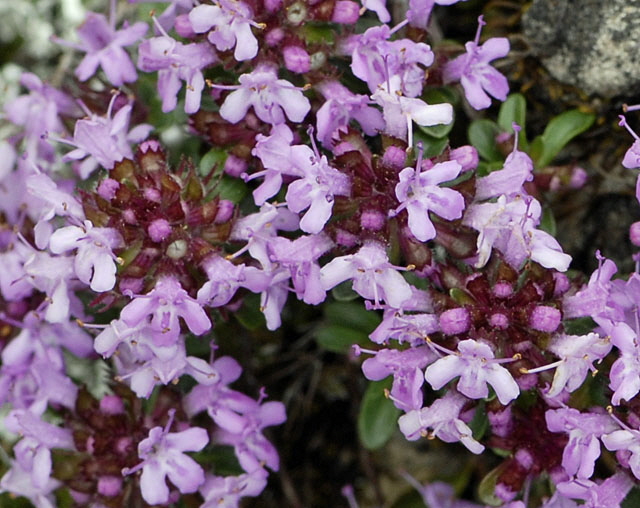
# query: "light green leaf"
432,146
378,418
560,130
514,110
232,189
339,339
214,157
548,222
482,135
352,314
487,487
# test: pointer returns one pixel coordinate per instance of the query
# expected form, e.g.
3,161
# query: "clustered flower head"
120,258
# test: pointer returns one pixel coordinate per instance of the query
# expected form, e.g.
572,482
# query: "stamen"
623,123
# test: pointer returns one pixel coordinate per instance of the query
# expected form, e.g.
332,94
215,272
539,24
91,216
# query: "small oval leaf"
378,418
560,130
482,135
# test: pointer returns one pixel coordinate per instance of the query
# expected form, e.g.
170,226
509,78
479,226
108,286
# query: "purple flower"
419,11
229,24
162,455
400,112
577,354
608,494
443,417
176,62
474,72
274,152
164,304
33,451
419,193
631,158
225,278
105,47
509,225
95,263
244,432
394,65
19,482
625,371
271,98
260,228
517,169
477,368
226,491
339,108
406,367
592,300
584,429
411,328
300,257
38,113
316,189
104,139
374,278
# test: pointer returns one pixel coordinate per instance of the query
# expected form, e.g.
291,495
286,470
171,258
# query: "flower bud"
578,178
272,5
274,37
109,486
183,26
159,229
466,156
345,12
373,220
296,59
502,289
562,284
225,211
499,320
111,405
235,166
107,188
345,238
545,319
394,157
455,321
634,234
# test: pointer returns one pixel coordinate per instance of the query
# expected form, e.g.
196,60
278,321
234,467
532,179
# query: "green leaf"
352,314
633,499
548,222
432,146
487,487
378,416
579,326
249,314
484,168
482,135
216,157
232,189
318,33
560,130
480,422
343,292
514,109
339,339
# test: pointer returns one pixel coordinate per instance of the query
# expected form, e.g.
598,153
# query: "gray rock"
592,44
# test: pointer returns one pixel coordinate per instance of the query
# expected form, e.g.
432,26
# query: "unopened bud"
466,156
545,319
455,321
296,59
345,12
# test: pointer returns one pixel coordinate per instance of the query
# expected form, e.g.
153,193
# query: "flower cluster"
315,176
